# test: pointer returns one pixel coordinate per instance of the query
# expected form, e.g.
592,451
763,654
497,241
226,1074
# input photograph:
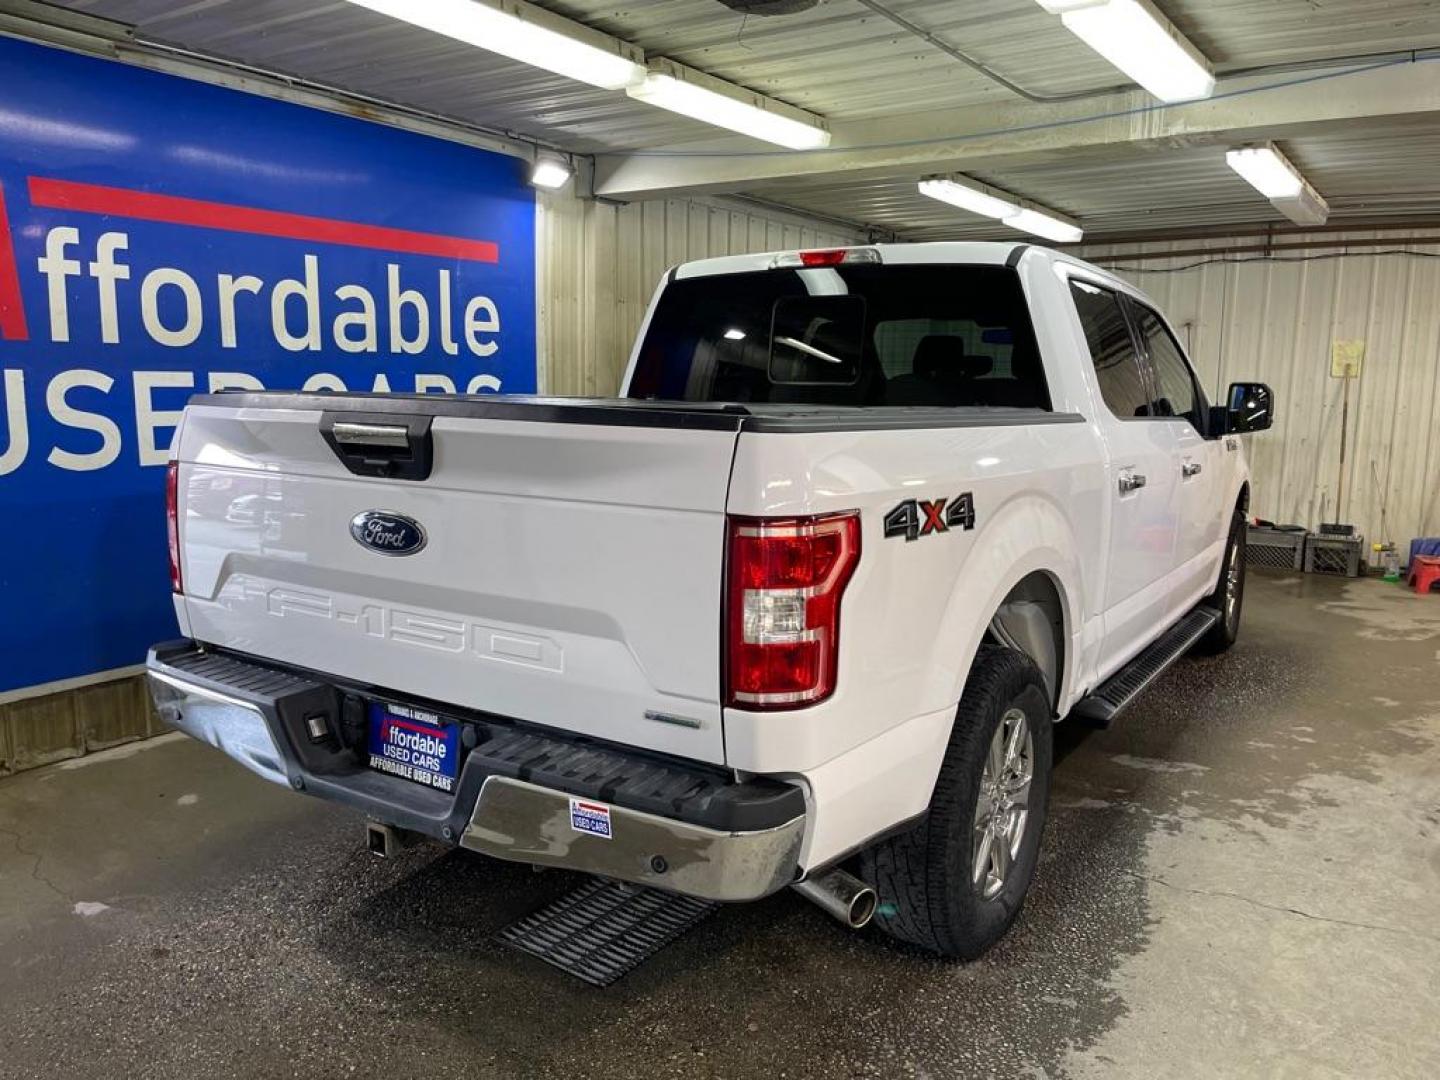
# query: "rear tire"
939,886
1229,594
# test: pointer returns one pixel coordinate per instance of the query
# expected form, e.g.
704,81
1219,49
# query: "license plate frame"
413,744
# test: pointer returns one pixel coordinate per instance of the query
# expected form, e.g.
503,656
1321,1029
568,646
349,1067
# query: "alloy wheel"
1003,807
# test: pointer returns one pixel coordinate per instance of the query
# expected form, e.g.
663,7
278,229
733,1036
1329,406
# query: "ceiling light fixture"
526,33
1269,172
1266,170
1139,40
991,202
1047,224
703,97
550,171
968,195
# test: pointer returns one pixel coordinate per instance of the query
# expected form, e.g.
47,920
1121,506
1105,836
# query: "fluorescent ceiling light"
1266,170
1045,224
1269,172
526,33
1306,208
968,195
1135,37
551,172
990,202
703,97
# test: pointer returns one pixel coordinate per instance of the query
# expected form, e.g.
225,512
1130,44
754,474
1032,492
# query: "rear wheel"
955,882
1229,594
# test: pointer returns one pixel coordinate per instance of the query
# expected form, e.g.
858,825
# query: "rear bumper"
517,820
225,722
673,824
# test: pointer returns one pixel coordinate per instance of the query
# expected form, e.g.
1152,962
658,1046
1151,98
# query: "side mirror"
1250,407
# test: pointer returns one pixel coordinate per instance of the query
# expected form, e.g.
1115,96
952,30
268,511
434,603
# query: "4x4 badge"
915,518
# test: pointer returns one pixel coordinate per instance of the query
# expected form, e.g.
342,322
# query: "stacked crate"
1334,550
1275,549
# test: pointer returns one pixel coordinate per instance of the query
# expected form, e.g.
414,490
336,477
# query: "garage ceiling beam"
995,136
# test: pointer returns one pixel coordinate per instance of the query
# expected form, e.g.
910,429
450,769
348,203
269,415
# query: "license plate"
414,745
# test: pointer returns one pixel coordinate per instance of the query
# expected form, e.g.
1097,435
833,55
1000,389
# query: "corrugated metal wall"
1275,319
599,264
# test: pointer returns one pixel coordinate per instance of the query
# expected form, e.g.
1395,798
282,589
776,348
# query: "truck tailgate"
570,575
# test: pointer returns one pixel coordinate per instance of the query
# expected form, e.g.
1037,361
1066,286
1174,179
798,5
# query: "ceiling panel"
839,59
1385,171
844,61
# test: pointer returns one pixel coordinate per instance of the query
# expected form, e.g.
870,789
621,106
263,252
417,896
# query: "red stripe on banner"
409,725
174,210
12,310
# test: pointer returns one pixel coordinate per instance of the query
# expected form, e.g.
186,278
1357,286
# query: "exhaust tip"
842,896
862,908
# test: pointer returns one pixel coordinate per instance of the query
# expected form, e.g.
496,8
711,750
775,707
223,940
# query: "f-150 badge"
915,518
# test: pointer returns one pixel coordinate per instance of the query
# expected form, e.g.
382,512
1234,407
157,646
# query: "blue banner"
161,237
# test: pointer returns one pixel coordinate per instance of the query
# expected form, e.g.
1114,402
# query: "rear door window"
1112,350
861,335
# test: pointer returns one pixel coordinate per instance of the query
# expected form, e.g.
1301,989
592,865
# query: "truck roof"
990,253
974,253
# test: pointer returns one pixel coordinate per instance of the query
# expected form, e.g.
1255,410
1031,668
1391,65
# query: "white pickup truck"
798,608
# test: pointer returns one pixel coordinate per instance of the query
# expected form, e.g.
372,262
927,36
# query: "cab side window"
1112,350
1176,392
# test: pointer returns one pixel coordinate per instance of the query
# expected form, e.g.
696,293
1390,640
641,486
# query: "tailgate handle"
349,433
384,445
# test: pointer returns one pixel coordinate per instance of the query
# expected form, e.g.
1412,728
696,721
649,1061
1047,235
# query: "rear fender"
1027,535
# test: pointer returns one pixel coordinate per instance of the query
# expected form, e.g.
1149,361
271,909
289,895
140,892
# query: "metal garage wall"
1275,319
598,265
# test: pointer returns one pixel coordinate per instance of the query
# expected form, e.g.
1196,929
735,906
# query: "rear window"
861,335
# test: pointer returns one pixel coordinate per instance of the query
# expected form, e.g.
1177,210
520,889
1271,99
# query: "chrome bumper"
526,823
740,841
226,723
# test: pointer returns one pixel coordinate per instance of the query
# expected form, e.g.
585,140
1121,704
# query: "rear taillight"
785,580
172,522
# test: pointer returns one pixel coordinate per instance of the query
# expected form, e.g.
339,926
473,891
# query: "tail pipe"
842,896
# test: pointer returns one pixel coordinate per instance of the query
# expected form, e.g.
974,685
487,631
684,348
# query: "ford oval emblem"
387,533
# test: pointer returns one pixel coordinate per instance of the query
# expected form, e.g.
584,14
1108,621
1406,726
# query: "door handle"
1131,482
1190,468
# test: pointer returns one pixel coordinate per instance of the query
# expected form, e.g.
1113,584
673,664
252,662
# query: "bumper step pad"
602,929
1122,688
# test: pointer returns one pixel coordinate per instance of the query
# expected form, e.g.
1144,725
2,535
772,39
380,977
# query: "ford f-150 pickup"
799,608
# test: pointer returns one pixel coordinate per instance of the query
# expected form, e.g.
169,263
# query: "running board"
1122,688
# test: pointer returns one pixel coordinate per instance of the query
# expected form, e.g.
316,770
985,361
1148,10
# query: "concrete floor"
1241,879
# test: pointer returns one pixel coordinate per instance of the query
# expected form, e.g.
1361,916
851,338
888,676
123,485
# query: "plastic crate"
1339,556
1275,549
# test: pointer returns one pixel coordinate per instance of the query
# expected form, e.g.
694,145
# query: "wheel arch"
1031,619
1028,554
